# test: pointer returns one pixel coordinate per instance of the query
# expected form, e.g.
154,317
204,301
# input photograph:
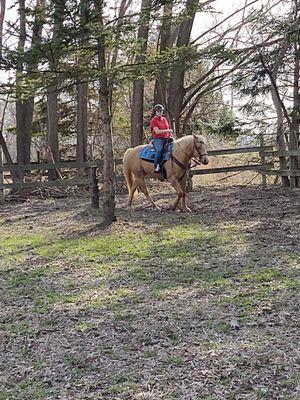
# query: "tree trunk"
281,140
176,86
294,133
137,111
52,130
21,132
24,116
81,145
3,144
161,82
2,14
124,5
52,124
108,157
137,108
52,95
25,107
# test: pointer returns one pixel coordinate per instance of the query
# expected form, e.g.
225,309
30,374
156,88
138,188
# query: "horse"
184,149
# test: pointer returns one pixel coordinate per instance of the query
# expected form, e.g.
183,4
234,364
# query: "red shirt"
161,123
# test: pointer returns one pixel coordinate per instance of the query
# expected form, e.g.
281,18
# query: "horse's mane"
187,138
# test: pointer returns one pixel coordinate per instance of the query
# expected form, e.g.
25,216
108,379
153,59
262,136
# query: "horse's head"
200,149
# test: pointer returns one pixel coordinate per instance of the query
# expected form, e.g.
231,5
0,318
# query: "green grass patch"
105,247
28,389
150,354
175,360
28,278
18,242
121,383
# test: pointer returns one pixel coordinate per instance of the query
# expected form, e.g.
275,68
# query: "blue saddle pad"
147,153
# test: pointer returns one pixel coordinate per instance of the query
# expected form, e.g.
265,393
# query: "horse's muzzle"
204,160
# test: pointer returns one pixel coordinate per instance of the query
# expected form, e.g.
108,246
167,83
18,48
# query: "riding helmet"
158,107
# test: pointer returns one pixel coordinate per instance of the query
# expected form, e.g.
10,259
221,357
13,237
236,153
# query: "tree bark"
3,144
21,126
294,132
281,141
2,14
52,123
25,107
81,145
108,157
24,116
137,107
52,95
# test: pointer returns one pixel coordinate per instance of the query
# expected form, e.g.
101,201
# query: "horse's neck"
183,150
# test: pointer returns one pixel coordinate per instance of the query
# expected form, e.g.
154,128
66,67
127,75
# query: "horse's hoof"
187,209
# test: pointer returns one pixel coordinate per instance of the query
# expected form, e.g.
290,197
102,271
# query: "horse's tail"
127,172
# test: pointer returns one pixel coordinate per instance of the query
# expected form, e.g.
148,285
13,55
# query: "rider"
161,134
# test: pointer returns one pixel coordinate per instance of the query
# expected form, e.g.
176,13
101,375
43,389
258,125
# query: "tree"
273,71
2,14
25,101
82,94
176,86
138,84
52,93
165,42
108,158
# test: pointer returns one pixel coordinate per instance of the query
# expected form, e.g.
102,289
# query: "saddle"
147,153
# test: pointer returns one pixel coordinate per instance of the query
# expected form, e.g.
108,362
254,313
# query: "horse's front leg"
176,185
183,197
180,190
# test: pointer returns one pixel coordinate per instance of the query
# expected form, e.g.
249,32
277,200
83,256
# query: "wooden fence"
264,167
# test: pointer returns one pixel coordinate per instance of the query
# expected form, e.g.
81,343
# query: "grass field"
159,305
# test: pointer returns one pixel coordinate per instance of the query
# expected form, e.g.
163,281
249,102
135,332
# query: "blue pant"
159,145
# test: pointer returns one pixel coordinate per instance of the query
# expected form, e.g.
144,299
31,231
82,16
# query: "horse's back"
131,157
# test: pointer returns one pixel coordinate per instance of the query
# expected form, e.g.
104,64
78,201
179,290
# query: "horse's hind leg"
144,189
132,190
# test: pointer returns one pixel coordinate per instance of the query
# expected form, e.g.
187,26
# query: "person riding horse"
184,149
161,134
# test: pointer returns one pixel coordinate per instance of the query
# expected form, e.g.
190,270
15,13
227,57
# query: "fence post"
94,188
1,177
262,158
189,186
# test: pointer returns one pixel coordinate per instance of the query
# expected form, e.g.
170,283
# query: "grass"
168,305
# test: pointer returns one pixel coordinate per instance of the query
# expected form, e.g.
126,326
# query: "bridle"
196,161
198,151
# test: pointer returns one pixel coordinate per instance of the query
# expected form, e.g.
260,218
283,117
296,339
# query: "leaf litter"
174,306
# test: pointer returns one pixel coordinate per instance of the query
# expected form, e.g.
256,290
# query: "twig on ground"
251,180
229,176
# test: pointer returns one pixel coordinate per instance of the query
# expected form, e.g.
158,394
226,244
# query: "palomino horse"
184,149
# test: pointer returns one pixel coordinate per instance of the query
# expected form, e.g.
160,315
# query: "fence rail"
264,167
233,168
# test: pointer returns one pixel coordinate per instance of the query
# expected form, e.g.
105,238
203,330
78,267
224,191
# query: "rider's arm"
162,131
